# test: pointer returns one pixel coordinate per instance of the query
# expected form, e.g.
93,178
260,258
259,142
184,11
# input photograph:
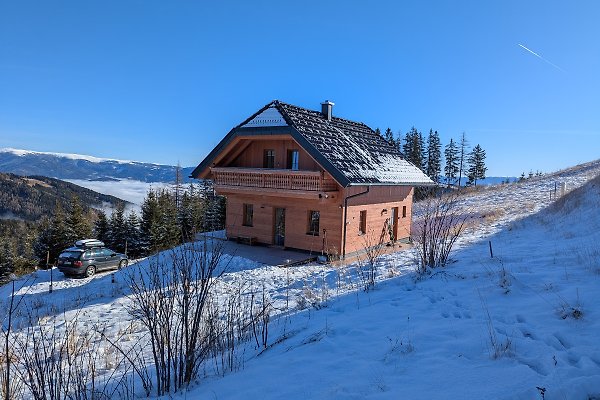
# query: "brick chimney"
326,109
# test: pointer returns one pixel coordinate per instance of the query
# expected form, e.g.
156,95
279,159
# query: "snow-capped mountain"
77,166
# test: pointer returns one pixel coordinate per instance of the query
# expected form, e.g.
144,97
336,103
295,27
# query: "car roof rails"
89,243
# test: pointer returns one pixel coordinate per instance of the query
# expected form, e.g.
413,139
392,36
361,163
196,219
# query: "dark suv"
89,257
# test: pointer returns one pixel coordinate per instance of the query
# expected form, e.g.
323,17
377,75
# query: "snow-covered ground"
482,327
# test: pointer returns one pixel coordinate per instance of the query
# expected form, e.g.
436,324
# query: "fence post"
51,268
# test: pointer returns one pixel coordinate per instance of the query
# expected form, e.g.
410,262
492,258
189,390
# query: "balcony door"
293,157
279,228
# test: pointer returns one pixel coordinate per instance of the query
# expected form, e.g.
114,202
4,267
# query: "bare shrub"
10,386
437,230
568,310
172,298
400,345
373,248
57,362
261,315
498,348
233,327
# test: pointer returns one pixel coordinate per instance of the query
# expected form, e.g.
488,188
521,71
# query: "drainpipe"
346,217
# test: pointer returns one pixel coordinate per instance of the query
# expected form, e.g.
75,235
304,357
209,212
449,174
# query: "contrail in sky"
541,58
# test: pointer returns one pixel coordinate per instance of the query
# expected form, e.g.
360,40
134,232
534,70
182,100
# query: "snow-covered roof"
350,151
269,117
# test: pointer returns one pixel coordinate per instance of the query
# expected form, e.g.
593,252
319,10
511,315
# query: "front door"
394,223
279,230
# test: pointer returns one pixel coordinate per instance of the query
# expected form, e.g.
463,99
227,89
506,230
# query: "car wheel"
122,264
90,271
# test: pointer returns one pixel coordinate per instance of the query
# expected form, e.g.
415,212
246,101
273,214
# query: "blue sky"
164,81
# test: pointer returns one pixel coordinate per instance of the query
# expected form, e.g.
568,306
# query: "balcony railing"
273,179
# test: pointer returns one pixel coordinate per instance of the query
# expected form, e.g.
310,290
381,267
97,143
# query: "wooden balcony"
283,179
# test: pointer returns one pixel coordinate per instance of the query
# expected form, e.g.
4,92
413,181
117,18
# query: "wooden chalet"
308,180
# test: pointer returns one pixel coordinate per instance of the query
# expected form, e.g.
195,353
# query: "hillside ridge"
32,197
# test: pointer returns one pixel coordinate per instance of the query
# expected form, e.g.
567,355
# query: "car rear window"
70,254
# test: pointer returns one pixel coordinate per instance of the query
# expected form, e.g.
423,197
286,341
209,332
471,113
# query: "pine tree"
398,142
6,262
61,232
42,242
178,180
54,236
452,159
78,221
214,208
414,149
463,144
149,221
407,144
117,232
389,137
132,235
167,231
477,166
434,156
185,217
101,226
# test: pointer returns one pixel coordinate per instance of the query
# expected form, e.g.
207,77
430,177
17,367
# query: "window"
362,228
403,211
292,160
269,159
313,223
248,214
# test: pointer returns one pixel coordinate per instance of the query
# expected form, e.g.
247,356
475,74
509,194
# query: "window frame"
248,214
269,158
403,211
311,229
362,222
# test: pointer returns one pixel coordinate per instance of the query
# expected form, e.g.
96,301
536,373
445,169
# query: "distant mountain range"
31,197
77,166
80,168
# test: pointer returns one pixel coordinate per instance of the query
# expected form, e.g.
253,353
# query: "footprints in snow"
457,310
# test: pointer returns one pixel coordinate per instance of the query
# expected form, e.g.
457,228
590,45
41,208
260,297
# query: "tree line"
168,217
426,153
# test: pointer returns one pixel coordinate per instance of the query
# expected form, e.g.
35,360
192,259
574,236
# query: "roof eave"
414,184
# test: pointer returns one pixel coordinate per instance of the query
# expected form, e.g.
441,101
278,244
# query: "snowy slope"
482,328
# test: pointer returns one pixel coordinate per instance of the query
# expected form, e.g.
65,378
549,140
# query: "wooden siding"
296,221
378,204
252,155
